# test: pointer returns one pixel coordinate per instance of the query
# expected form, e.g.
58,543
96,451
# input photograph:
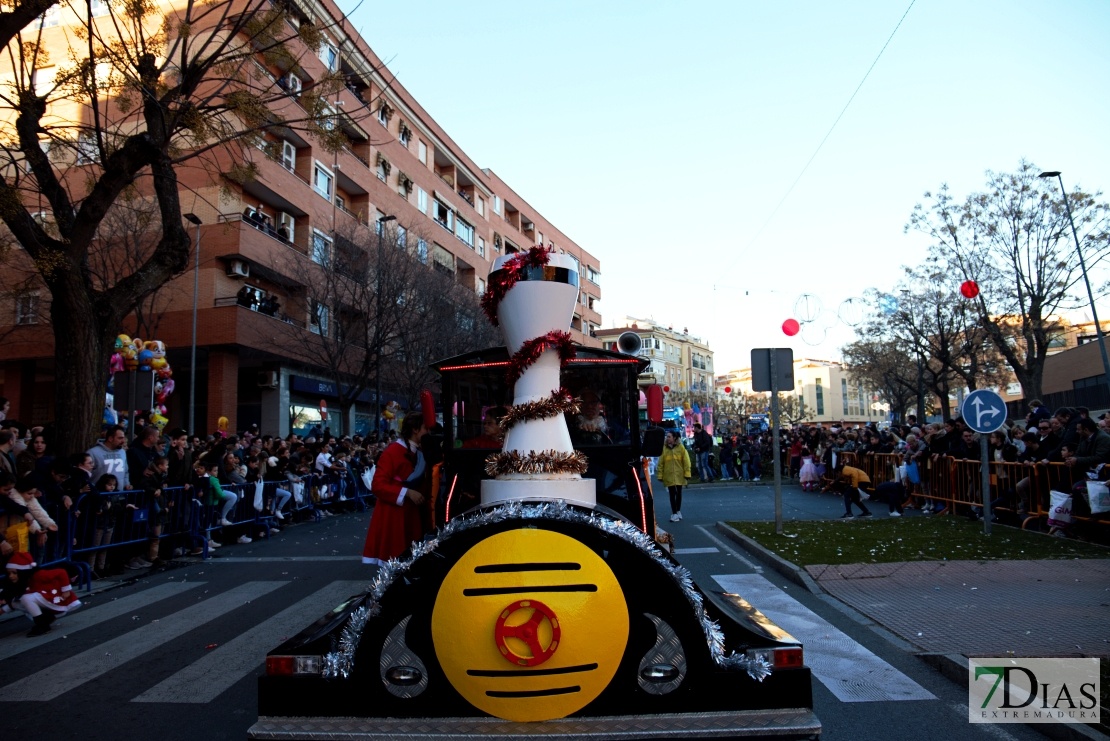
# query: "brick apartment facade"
400,163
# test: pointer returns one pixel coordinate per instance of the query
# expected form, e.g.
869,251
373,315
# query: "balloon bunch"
134,354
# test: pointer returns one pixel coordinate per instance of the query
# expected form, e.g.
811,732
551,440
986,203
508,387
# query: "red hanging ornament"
969,289
728,389
666,389
791,327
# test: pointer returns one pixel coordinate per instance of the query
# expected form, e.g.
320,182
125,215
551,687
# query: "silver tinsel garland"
339,663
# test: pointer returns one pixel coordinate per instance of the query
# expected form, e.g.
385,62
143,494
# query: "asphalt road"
173,654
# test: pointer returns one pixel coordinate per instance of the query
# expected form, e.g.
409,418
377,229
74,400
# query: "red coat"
51,589
392,526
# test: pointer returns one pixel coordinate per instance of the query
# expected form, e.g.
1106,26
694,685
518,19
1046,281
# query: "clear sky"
661,136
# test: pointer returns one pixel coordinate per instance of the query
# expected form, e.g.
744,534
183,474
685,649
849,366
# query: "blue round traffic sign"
983,411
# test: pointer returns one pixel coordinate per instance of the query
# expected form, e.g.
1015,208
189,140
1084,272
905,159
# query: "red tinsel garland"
507,276
531,350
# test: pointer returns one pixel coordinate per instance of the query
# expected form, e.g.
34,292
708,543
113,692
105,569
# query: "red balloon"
969,289
728,389
666,389
791,327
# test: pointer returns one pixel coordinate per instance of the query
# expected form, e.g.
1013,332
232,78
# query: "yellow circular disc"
539,678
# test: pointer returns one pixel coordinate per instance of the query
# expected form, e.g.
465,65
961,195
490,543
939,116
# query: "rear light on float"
779,658
289,666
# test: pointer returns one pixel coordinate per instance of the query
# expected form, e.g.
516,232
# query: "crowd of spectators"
813,456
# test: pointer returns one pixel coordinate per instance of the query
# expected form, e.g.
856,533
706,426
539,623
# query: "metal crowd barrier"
956,483
122,524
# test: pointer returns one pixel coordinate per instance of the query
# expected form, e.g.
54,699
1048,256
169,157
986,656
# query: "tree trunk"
83,345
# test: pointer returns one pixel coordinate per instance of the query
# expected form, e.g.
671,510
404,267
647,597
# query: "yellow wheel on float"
530,625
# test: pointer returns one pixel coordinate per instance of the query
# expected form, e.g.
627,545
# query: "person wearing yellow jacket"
673,469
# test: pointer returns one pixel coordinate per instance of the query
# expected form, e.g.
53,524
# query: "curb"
952,667
792,572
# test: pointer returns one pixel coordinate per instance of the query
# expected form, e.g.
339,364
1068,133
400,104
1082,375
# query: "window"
481,247
402,237
318,320
384,112
291,84
321,248
27,309
593,275
329,56
820,398
443,215
384,168
844,394
341,202
539,238
322,180
86,149
481,286
404,135
480,206
52,17
286,226
497,204
288,156
464,231
422,251
98,8
422,152
422,199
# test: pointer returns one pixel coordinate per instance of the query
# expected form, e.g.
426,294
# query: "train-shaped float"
544,604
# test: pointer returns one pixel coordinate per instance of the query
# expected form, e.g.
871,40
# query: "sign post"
984,412
773,370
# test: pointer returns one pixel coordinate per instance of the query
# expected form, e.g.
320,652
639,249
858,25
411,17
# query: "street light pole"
195,221
378,350
1086,280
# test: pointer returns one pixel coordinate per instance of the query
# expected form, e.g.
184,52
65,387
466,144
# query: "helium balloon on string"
969,289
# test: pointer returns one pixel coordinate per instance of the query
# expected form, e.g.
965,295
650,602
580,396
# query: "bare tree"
1013,240
146,91
882,363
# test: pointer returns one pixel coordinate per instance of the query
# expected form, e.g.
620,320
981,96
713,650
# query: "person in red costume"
397,488
44,594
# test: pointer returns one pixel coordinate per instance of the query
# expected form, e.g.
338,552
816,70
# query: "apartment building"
399,174
678,360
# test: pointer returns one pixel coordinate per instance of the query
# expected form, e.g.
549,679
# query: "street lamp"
1086,280
195,221
378,350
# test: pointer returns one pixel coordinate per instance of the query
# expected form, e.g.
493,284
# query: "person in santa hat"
48,593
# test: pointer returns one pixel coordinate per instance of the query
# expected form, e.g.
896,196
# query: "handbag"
1059,510
258,502
19,536
1098,495
912,472
298,492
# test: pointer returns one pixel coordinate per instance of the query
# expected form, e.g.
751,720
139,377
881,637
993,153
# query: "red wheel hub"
528,632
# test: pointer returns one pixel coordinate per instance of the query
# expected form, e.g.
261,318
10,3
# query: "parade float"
545,603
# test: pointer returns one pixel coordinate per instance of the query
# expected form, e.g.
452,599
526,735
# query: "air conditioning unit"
238,269
268,379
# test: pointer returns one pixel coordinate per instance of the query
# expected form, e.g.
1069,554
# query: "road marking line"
213,674
689,551
88,665
96,612
730,550
850,671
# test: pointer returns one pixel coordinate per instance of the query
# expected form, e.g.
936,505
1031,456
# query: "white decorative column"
540,301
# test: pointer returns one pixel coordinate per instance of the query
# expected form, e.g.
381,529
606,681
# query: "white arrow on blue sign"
984,411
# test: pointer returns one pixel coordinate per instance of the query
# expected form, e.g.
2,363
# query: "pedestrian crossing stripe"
86,666
846,668
207,678
97,613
